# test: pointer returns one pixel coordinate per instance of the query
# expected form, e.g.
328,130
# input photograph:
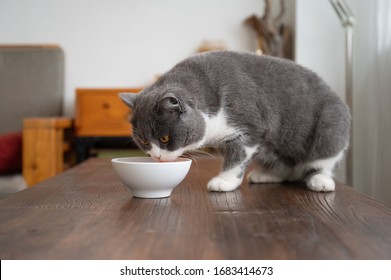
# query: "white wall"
320,42
124,43
372,98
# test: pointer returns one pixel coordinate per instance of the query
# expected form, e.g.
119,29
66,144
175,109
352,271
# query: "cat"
260,109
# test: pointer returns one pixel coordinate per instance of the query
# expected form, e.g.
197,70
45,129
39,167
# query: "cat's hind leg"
320,178
236,159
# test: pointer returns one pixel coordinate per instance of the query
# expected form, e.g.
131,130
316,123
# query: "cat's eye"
144,142
164,139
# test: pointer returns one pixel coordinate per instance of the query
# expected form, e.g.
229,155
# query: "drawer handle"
106,105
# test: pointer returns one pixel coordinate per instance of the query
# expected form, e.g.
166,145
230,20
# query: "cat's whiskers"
201,153
188,155
207,153
135,130
130,141
196,155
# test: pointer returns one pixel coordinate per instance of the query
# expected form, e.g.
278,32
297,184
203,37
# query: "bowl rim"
125,160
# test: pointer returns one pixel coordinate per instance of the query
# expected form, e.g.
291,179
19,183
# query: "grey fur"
286,109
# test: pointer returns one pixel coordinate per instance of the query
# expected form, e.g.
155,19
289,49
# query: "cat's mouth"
165,159
164,156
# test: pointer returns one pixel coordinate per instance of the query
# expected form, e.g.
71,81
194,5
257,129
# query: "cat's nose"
157,157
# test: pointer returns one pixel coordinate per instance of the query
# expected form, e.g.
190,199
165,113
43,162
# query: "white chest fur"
217,129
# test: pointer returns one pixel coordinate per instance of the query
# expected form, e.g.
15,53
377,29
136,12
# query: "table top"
87,213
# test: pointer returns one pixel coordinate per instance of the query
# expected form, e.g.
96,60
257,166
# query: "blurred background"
128,43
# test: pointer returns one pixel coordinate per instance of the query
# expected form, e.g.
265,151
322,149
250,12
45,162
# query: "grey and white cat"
253,108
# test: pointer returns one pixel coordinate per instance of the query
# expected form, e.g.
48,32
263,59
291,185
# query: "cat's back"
262,71
245,61
251,80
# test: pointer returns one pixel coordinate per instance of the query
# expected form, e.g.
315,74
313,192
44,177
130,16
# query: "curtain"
372,98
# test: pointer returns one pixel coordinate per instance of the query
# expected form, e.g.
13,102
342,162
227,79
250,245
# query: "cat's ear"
171,103
128,98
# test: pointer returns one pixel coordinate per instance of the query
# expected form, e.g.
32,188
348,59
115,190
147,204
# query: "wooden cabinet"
100,116
100,112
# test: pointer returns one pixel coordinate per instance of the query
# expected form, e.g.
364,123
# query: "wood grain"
86,213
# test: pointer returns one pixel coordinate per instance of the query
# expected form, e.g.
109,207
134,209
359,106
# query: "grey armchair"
31,85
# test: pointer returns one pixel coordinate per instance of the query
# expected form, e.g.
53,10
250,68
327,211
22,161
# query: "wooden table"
86,213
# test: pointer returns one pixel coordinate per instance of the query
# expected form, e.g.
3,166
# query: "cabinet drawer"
100,112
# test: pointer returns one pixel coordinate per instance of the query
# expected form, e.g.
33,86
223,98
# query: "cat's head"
165,124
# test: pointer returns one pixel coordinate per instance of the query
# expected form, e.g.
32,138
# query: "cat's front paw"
219,184
321,183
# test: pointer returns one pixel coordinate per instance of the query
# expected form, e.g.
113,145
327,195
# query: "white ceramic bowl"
148,178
